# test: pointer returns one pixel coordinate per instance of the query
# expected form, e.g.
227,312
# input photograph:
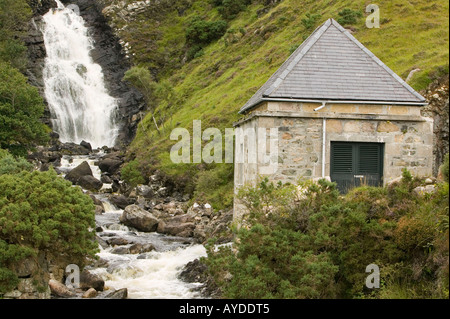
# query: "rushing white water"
148,275
75,90
152,277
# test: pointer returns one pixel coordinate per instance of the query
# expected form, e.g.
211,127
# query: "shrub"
307,241
373,200
11,165
201,32
131,174
348,16
310,20
41,212
268,199
194,52
229,9
212,184
414,232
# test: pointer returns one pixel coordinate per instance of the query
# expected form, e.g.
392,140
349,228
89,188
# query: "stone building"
335,111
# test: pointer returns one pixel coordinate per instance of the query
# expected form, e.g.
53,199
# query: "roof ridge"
303,49
388,86
376,59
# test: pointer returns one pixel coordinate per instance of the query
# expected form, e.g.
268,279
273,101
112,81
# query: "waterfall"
79,103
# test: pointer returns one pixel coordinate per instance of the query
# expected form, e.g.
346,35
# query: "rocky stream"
146,234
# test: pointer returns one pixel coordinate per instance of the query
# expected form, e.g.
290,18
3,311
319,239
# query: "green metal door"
354,164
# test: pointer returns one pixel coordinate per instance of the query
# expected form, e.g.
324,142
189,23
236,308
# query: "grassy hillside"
212,80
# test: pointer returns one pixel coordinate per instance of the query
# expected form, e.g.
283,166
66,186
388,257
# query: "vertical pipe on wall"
324,130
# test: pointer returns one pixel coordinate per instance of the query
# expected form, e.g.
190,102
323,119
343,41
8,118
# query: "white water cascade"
79,103
151,275
148,275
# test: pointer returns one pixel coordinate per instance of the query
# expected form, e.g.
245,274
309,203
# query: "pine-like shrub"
42,212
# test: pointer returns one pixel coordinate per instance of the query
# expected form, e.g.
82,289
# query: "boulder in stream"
119,201
82,176
86,145
140,248
139,218
59,289
118,294
110,165
180,225
90,183
90,293
90,280
81,170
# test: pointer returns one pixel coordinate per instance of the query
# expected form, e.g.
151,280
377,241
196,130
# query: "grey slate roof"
332,65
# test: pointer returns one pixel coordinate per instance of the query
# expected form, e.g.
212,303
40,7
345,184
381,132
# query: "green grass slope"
223,75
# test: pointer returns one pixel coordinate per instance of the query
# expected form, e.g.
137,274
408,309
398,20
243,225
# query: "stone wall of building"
406,144
407,137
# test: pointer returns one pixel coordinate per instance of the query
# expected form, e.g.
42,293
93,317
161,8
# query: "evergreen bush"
42,212
308,241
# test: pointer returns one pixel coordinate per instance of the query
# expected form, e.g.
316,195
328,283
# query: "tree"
21,107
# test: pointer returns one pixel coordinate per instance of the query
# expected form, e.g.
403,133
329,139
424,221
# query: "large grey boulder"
81,170
82,176
59,289
119,201
118,294
180,225
110,165
90,183
90,280
139,218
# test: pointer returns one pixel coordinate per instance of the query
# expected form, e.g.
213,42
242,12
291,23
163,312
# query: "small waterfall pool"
147,275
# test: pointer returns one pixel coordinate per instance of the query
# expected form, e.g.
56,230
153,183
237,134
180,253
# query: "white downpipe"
320,107
324,130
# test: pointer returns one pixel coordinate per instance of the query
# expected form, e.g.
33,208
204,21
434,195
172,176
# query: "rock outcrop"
139,218
89,280
82,176
438,108
59,289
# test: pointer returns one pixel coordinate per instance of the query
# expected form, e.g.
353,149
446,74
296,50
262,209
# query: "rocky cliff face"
36,48
438,108
108,53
